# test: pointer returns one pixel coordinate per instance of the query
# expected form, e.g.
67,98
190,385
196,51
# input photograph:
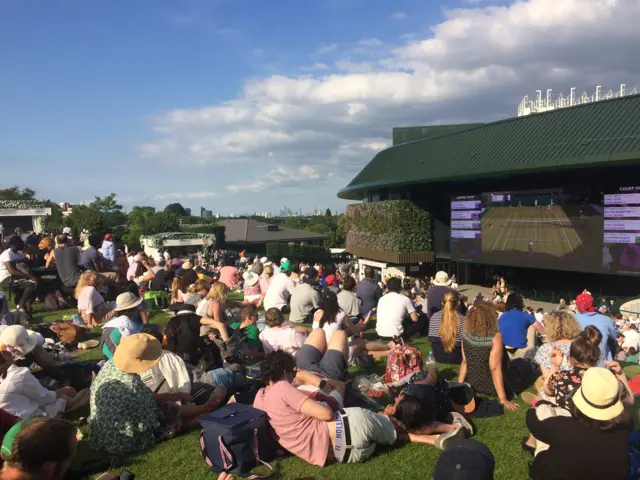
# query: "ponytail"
586,347
174,289
449,326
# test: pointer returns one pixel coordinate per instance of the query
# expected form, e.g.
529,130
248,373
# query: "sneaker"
444,438
89,344
454,418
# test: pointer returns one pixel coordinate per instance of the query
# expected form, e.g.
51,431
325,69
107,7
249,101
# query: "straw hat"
127,300
599,395
137,353
442,279
18,337
187,265
251,278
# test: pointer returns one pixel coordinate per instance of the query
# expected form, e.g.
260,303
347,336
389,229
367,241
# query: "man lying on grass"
312,431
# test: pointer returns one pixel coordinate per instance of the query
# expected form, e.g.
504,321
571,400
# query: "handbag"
156,300
236,439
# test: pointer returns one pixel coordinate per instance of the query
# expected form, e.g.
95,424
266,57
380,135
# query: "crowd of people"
286,348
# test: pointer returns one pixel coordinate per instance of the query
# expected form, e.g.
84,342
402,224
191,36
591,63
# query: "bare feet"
216,398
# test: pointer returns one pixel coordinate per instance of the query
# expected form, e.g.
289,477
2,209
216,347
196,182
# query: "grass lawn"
180,458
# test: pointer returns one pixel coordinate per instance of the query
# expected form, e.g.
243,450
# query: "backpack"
236,439
403,360
50,303
156,300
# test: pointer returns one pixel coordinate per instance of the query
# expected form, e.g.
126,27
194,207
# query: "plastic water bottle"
430,363
260,323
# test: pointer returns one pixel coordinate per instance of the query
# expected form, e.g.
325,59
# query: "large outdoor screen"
549,228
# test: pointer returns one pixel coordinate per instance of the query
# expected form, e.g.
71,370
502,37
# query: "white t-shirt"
170,374
90,301
279,292
392,310
329,328
22,395
284,338
631,339
8,256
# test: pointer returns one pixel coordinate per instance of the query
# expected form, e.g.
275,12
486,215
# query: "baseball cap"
465,460
285,266
310,272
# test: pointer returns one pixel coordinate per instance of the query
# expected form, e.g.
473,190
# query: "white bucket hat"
18,337
127,300
442,279
251,278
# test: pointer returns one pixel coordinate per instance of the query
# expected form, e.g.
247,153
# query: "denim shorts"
331,365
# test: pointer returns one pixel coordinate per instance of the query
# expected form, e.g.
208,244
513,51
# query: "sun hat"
127,300
285,266
251,278
187,265
465,460
18,337
442,279
67,230
137,353
264,260
599,395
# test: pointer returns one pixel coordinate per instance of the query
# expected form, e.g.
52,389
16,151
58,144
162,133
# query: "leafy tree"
86,217
294,222
176,209
111,211
16,193
143,221
328,213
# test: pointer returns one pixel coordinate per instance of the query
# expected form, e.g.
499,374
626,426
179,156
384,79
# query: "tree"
328,213
176,209
111,211
86,217
17,193
143,221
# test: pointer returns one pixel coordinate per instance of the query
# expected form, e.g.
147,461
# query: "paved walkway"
471,291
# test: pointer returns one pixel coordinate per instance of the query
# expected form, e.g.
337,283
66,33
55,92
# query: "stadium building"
557,190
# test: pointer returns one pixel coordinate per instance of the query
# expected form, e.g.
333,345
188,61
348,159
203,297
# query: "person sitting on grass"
39,448
123,324
424,407
561,328
485,364
21,394
126,416
597,427
328,359
311,430
518,328
445,331
330,318
91,305
212,308
396,315
279,335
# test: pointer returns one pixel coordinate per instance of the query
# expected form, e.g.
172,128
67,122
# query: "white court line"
539,241
500,234
508,234
572,229
565,235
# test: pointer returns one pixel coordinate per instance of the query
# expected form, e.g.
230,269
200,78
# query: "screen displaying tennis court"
547,228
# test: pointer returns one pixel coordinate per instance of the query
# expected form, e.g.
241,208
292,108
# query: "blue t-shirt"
89,258
607,328
513,326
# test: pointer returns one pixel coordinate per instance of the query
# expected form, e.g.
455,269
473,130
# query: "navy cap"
465,460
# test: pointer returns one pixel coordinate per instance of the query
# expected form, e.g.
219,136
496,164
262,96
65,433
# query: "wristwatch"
323,383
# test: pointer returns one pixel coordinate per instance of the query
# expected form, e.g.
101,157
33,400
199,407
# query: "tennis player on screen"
530,247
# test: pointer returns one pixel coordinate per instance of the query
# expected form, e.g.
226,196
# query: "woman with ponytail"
445,331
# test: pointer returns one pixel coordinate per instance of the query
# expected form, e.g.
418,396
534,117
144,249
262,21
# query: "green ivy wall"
389,226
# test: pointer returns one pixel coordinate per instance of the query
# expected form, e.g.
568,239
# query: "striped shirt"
434,325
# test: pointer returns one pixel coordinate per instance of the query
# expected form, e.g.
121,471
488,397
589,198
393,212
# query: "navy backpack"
236,439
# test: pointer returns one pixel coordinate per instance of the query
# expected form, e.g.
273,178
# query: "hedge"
308,253
389,226
217,230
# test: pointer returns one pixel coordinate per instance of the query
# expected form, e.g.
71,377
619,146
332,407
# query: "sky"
250,106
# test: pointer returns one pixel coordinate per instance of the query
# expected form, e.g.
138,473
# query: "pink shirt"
264,285
305,437
230,277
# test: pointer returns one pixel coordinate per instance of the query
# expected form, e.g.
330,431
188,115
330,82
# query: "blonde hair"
561,325
88,278
449,325
199,285
268,271
219,291
482,320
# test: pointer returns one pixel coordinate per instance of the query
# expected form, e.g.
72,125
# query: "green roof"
588,135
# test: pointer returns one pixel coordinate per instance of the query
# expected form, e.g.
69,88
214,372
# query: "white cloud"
186,196
399,16
332,47
315,66
474,66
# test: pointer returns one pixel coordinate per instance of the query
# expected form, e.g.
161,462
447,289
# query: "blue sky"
249,106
